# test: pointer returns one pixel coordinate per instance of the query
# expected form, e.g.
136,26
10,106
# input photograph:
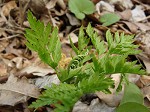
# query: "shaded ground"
17,60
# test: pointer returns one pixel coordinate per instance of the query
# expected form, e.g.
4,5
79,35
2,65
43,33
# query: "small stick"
9,37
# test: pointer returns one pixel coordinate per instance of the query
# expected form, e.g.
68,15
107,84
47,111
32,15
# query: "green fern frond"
75,75
95,39
75,49
95,83
82,43
122,44
75,68
69,77
82,40
44,40
116,64
62,96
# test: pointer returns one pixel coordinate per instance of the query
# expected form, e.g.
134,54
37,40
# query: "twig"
144,19
9,30
9,37
3,79
22,10
61,4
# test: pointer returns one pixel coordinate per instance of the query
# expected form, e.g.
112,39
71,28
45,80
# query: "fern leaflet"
44,40
62,96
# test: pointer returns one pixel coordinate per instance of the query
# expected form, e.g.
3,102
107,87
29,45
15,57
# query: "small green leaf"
73,46
96,41
109,68
57,53
53,40
109,38
132,100
82,40
132,94
132,107
80,15
109,19
81,7
95,83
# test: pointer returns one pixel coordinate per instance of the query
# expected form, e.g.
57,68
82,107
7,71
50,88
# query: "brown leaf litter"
16,59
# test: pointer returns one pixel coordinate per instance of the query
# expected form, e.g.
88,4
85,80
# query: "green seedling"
81,7
109,19
88,71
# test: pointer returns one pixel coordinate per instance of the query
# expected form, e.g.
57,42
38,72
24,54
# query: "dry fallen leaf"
73,37
2,34
3,68
38,6
36,70
18,61
17,90
73,20
133,78
20,86
147,65
144,56
143,27
95,106
145,80
146,1
3,45
133,28
12,47
144,83
138,14
146,92
104,6
51,4
47,81
62,4
8,7
127,4
64,62
126,14
67,50
11,98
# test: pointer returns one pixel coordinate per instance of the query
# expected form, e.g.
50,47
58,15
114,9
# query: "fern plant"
88,71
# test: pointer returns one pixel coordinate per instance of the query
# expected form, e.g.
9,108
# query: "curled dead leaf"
126,4
37,71
145,80
73,20
146,92
51,4
104,6
3,69
8,7
64,62
133,27
143,27
125,15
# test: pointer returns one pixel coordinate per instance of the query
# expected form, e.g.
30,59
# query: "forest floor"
23,74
